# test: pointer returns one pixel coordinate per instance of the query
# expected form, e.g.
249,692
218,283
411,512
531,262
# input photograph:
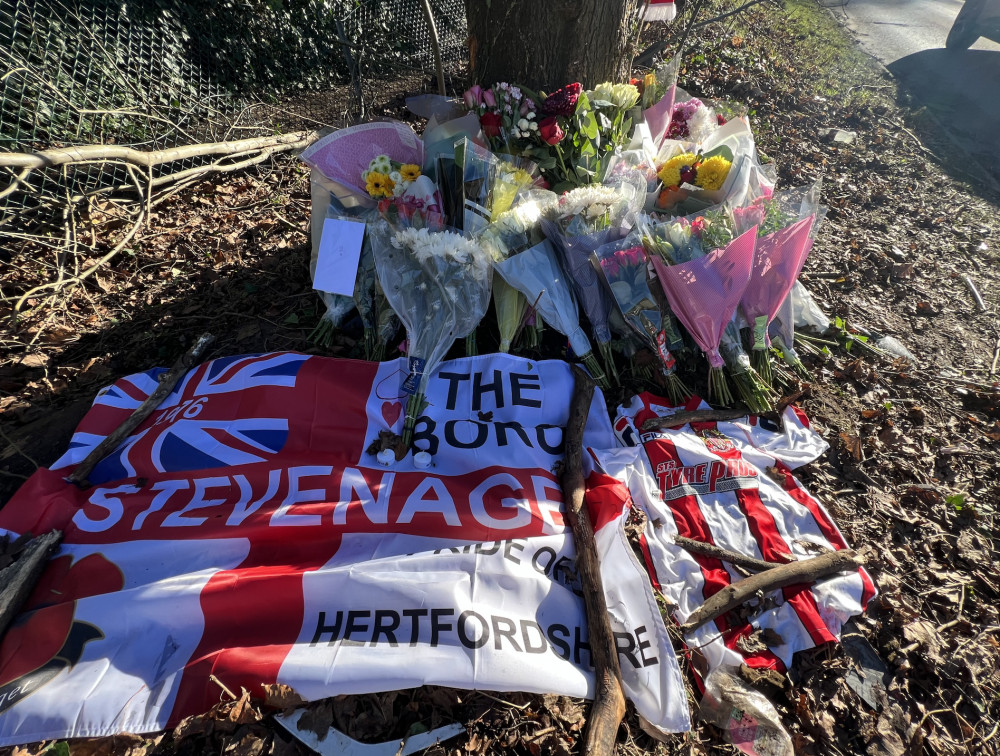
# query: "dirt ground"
913,473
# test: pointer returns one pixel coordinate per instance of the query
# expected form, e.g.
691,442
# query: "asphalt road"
960,88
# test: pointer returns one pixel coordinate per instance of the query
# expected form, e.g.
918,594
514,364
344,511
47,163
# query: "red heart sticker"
391,412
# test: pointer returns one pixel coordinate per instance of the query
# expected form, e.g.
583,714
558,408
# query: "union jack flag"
207,421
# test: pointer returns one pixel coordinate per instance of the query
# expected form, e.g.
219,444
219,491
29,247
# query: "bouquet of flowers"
704,289
507,116
658,92
377,317
785,225
697,176
624,268
342,163
537,274
578,223
490,183
692,121
438,283
511,233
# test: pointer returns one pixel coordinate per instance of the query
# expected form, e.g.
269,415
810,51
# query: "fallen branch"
725,555
168,380
678,419
804,571
152,158
19,579
609,700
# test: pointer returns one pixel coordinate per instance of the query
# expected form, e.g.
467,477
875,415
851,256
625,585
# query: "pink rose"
489,98
473,97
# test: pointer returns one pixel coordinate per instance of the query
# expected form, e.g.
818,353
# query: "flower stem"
609,360
471,346
761,360
563,165
596,372
414,406
718,389
677,392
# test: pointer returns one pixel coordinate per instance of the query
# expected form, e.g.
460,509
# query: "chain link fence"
156,74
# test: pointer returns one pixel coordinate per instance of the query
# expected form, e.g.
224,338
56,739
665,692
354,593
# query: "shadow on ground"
960,92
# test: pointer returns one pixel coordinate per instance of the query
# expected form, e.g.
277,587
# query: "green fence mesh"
154,74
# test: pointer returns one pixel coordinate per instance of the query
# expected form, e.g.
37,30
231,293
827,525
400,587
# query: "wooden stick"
804,571
168,380
678,419
435,45
725,555
19,579
609,700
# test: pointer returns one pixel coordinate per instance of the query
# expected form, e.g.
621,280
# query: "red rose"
490,123
549,131
562,102
720,119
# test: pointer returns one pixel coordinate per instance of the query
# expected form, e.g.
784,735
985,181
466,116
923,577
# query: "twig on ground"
803,571
725,555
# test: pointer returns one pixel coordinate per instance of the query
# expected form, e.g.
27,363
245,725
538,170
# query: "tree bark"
546,44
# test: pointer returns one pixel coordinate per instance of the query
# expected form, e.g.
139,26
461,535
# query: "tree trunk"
544,44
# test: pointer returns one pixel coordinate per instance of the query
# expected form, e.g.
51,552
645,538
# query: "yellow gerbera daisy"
410,172
670,171
378,185
712,172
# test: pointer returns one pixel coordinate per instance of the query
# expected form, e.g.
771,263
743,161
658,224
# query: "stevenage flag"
243,531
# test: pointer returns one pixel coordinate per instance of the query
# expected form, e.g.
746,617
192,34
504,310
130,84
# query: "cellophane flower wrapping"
732,142
581,221
624,268
490,184
438,283
659,90
345,155
510,233
786,223
537,273
705,291
335,306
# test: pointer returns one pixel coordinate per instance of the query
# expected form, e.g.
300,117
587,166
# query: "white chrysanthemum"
382,164
425,244
522,124
396,176
702,124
